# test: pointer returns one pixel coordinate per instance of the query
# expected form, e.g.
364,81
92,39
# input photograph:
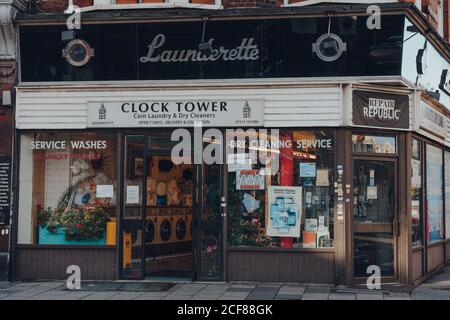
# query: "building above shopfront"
289,43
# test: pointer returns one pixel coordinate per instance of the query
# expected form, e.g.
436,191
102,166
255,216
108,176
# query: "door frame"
395,219
197,222
197,181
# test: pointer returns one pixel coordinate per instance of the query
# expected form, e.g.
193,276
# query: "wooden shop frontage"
259,157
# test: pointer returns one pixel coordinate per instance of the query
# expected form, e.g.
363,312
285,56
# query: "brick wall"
430,8
53,6
250,3
447,20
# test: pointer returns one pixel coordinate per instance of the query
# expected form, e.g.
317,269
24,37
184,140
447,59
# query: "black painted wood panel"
51,263
280,266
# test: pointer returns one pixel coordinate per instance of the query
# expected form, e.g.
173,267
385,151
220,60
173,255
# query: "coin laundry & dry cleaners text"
246,51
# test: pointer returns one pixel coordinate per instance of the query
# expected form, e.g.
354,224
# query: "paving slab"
232,289
263,293
152,296
234,296
341,296
125,295
100,295
243,285
174,296
318,289
77,295
315,296
205,297
294,290
284,296
365,296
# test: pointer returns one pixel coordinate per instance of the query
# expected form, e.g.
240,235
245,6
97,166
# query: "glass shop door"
157,213
169,211
209,222
172,216
133,208
375,218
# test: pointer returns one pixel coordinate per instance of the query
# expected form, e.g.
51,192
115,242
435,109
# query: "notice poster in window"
285,211
322,178
240,161
307,169
132,194
372,193
105,191
249,180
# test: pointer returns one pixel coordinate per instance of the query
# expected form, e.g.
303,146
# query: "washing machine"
165,229
180,226
151,228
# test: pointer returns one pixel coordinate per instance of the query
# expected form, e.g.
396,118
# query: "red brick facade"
250,3
447,20
54,6
429,7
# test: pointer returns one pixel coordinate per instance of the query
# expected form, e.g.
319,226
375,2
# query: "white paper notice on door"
105,191
132,194
322,178
372,193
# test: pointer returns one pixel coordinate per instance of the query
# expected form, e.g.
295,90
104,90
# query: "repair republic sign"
378,109
160,113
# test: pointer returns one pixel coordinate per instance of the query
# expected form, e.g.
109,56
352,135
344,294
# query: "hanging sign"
249,180
181,113
377,109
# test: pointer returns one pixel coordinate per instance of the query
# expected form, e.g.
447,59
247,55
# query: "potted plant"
75,226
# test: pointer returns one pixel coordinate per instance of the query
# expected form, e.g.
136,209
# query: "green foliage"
80,224
88,224
244,229
43,215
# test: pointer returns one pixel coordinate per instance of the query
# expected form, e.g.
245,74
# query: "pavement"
436,287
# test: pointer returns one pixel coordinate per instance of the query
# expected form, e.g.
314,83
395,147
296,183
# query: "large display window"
292,207
447,194
435,196
67,188
416,193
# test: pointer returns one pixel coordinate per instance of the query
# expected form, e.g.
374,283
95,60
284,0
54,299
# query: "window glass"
435,201
68,187
373,194
447,194
416,193
293,206
373,249
374,143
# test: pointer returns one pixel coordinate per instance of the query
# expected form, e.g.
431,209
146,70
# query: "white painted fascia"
314,2
162,5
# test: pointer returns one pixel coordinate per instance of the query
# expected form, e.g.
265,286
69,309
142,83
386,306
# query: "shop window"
447,194
68,189
416,193
363,143
293,206
435,199
374,193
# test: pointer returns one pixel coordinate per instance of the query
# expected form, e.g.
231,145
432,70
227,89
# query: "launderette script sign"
159,113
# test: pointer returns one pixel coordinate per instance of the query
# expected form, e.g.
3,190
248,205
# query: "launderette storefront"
150,203
141,164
